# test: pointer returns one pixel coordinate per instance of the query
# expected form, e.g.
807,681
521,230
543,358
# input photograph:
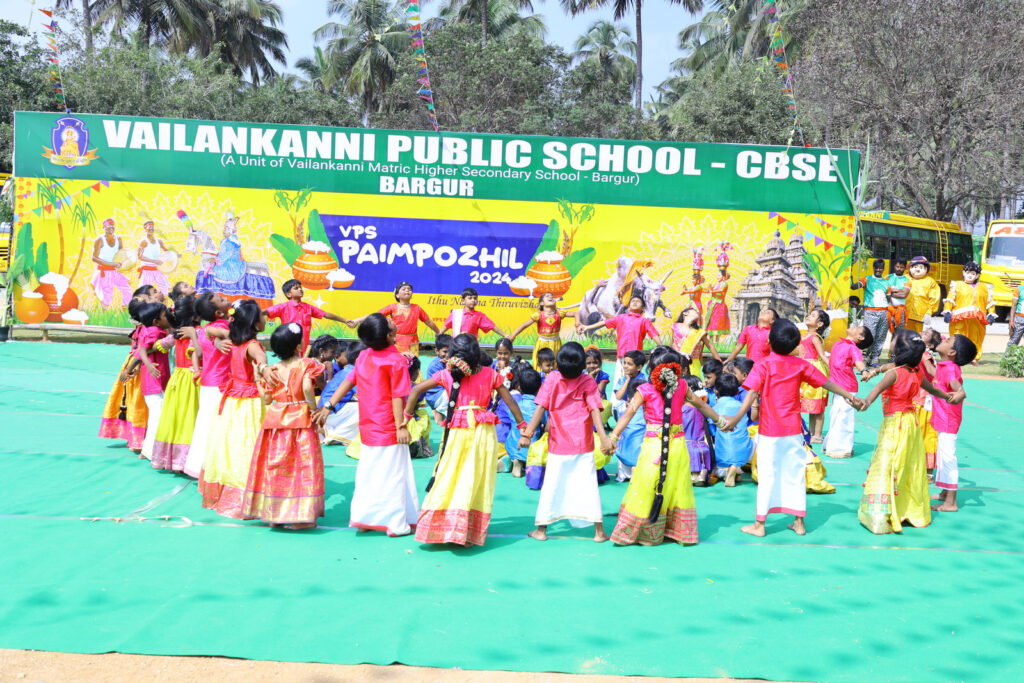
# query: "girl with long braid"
659,502
460,494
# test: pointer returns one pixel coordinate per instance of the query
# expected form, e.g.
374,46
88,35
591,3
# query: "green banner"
417,163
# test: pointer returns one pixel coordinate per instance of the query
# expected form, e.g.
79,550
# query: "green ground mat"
840,604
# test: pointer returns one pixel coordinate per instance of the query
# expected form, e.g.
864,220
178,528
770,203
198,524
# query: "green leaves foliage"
286,247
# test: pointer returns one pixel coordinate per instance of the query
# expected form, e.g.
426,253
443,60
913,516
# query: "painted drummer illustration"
110,258
155,260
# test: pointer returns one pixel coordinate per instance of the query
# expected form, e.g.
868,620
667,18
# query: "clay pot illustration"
30,308
550,275
312,268
522,286
57,295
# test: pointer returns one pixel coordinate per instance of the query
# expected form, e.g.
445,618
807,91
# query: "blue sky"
661,22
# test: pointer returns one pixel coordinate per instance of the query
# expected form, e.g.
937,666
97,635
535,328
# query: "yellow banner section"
351,250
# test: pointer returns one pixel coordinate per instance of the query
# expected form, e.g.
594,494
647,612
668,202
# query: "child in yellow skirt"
181,400
460,494
659,502
548,320
236,426
569,398
125,414
896,488
814,399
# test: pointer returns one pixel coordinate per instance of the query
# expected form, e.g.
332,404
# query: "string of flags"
778,56
53,68
425,92
818,240
61,202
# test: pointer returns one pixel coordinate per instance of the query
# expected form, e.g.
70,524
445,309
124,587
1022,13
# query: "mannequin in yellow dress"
969,308
923,299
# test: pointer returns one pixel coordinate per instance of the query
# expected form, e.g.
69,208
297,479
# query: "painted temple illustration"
778,281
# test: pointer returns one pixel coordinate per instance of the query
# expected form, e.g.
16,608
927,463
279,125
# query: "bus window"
1005,250
961,248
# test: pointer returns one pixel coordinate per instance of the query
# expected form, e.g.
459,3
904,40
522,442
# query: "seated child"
711,369
528,381
436,399
732,449
696,437
342,425
545,362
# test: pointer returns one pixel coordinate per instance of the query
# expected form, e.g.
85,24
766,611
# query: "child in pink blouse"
781,457
847,356
385,494
468,320
954,352
755,337
460,494
153,345
571,399
631,328
295,310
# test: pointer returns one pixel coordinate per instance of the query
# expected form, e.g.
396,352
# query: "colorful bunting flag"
425,92
778,56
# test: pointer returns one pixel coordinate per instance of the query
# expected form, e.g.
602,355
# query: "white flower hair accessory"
294,327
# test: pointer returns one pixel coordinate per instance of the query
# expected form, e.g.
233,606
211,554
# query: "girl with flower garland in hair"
385,490
215,367
460,494
407,316
548,320
896,488
152,346
659,502
181,403
285,486
570,399
125,415
238,422
813,400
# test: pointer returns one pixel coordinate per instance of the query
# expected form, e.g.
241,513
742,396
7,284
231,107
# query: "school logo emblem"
70,139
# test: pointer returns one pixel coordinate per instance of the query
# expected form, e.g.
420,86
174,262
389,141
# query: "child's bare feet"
600,536
798,526
941,495
731,475
517,469
755,529
945,507
539,534
300,526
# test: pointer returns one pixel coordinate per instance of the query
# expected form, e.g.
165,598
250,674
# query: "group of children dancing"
251,431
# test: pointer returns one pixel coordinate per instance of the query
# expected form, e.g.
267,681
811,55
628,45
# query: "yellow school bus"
947,246
1002,261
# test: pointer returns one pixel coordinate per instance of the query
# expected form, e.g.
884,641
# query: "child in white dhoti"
571,400
781,457
385,493
954,352
846,356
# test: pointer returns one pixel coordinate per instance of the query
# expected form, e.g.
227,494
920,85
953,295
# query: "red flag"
47,12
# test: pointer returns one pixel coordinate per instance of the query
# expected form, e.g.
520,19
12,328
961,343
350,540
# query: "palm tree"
246,33
502,20
86,19
731,31
365,48
319,74
500,17
620,9
612,48
158,21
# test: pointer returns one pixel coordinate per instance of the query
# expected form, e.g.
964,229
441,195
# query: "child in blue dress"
732,449
632,437
528,381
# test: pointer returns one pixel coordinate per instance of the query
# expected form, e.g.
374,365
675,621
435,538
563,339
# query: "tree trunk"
483,22
639,58
87,25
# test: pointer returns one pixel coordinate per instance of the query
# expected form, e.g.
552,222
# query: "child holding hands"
571,401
